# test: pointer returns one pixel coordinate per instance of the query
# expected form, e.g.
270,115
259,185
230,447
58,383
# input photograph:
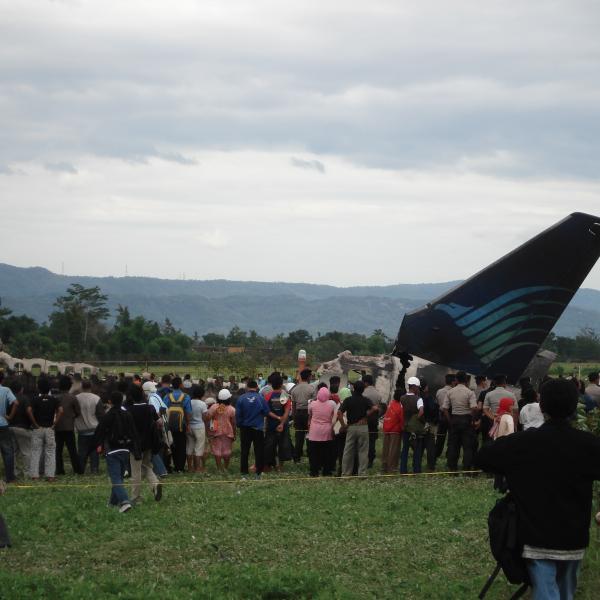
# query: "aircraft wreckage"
496,321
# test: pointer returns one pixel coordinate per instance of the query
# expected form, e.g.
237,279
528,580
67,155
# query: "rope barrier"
239,481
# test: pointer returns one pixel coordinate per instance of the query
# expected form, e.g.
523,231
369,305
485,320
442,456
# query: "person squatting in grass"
117,438
550,472
222,429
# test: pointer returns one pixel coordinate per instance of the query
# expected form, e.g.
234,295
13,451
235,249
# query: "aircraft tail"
496,320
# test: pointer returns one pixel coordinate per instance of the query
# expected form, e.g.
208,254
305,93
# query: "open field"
408,537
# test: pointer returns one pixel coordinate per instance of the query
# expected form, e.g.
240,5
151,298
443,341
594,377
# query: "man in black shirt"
550,472
357,409
44,411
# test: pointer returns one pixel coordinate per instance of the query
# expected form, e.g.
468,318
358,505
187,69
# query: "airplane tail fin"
496,320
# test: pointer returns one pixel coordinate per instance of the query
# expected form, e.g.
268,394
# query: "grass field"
409,537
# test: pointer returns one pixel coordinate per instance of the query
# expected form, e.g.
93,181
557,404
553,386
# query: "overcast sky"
321,141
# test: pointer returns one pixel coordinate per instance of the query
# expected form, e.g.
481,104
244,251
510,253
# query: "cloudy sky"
321,141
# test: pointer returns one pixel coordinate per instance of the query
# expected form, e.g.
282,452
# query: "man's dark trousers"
301,427
66,438
440,438
250,436
460,435
373,423
7,450
178,449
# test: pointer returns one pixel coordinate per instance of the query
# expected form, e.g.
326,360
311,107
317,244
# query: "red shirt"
393,420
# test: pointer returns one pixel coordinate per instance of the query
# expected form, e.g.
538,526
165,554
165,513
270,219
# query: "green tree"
79,316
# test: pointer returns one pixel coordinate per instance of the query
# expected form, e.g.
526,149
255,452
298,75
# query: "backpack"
175,412
119,435
507,549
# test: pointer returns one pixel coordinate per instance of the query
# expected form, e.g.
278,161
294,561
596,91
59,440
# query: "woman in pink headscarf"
322,414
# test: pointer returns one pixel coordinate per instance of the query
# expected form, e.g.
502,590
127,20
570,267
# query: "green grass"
411,537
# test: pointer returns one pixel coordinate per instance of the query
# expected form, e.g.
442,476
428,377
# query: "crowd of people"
147,429
178,423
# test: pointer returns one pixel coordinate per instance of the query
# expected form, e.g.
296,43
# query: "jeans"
85,441
43,438
461,435
66,438
7,449
357,436
301,427
553,579
252,437
159,465
116,464
417,452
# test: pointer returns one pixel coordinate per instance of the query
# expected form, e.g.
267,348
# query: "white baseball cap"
149,386
413,381
224,395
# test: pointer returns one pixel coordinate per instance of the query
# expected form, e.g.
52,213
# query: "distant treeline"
76,331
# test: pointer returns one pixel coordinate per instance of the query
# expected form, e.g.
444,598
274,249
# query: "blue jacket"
251,410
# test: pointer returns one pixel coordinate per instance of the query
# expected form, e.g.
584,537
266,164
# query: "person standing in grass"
179,414
222,429
531,414
8,406
302,394
322,413
196,438
144,419
64,430
44,411
550,471
375,397
91,410
356,409
393,424
278,448
20,425
117,438
250,412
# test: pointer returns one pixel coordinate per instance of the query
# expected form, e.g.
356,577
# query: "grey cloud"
61,167
5,170
315,165
391,88
177,158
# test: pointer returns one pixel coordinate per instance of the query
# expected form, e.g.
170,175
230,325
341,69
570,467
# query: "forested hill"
267,307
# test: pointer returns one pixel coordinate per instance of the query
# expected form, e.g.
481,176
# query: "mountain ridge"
267,307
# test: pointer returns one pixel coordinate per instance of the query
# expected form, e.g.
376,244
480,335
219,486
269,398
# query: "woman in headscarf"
322,413
506,426
506,422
